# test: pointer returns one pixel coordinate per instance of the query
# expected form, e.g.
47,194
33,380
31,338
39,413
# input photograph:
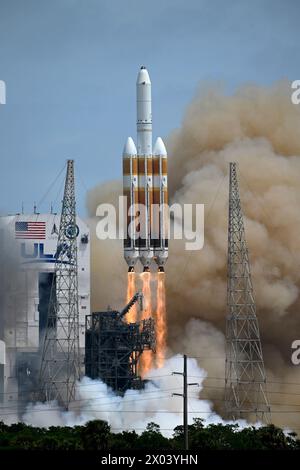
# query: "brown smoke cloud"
258,128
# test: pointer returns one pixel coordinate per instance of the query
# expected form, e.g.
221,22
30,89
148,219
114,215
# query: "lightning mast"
60,366
245,376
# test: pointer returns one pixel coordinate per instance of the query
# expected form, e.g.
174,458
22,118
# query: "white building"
29,245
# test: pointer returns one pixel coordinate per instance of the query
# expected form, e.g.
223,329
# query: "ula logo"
2,92
36,254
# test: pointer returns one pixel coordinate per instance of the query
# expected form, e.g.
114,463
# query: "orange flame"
131,316
146,357
161,321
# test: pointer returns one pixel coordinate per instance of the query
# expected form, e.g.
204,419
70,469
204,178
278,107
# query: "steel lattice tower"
245,377
60,366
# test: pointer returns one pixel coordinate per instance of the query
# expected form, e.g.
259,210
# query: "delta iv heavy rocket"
145,185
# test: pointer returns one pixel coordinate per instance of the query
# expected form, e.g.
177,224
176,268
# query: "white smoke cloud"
137,407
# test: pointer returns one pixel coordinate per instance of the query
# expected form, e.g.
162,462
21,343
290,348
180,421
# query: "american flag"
33,230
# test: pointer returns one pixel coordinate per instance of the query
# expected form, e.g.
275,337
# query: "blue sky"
70,68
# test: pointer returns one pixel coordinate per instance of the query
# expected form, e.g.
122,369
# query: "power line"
203,385
184,395
117,398
50,186
101,410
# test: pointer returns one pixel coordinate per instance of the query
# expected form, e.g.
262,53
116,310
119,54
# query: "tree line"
97,436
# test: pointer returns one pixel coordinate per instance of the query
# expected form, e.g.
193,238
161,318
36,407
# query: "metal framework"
245,377
113,347
60,366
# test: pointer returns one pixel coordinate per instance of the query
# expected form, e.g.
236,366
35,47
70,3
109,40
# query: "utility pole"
60,366
184,395
245,377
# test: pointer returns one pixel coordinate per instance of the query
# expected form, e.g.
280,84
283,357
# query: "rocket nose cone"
143,77
159,147
129,147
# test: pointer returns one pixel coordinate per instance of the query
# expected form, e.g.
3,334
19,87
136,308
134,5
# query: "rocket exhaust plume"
132,314
146,357
161,320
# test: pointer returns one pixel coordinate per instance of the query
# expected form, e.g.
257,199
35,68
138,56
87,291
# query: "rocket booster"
130,191
160,200
145,186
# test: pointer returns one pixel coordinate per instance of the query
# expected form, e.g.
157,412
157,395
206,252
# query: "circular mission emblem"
72,231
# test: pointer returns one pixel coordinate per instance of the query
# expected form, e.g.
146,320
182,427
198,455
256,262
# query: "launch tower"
60,366
245,376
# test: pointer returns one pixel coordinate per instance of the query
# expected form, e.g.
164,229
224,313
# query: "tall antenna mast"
245,377
60,366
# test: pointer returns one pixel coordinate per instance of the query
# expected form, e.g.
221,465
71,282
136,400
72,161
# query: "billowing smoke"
15,284
9,270
12,279
136,408
108,278
258,128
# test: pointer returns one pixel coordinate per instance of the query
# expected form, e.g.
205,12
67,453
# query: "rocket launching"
145,186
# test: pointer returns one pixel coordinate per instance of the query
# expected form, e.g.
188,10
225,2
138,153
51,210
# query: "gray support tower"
60,366
245,377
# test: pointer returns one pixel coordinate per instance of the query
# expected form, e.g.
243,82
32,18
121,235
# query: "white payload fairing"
145,185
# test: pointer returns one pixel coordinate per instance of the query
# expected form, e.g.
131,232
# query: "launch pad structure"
60,365
113,347
245,377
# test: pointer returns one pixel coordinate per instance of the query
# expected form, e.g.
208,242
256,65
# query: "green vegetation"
96,435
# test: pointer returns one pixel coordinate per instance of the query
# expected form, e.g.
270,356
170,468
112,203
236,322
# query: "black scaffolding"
113,348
